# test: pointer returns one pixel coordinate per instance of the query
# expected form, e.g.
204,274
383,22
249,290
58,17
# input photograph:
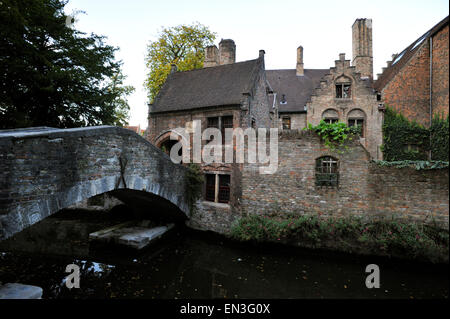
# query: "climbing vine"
334,135
439,137
408,140
194,184
404,139
418,165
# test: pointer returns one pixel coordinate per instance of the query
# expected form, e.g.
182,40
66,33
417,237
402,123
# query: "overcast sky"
322,27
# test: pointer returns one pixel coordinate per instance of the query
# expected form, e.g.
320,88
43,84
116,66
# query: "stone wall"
44,171
365,188
298,120
362,100
420,195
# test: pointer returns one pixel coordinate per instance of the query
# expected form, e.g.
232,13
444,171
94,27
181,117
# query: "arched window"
343,88
327,171
330,116
357,117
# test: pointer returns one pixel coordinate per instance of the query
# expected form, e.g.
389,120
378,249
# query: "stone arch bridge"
43,170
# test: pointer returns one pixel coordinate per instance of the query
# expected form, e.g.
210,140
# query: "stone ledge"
20,291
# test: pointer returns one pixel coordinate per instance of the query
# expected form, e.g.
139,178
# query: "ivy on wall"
403,139
439,137
194,183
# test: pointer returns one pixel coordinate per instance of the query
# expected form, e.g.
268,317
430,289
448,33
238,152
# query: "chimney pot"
342,56
362,47
300,70
261,53
227,51
211,56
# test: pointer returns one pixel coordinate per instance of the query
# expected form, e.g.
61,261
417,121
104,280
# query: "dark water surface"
192,265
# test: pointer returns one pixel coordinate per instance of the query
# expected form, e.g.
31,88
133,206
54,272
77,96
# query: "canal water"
187,264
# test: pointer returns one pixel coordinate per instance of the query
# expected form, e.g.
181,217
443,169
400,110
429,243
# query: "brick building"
223,94
415,82
342,93
311,178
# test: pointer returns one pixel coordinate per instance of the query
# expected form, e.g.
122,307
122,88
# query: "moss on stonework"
387,237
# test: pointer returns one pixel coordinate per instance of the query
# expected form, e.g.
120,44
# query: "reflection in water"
192,266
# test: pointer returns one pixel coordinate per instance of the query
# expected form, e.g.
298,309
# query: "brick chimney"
300,70
362,47
227,52
211,56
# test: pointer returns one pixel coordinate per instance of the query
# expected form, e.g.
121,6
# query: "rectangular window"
343,91
286,122
224,188
210,191
221,193
213,122
227,122
357,122
330,120
327,171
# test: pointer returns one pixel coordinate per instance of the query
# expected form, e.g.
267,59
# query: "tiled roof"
297,90
213,86
404,56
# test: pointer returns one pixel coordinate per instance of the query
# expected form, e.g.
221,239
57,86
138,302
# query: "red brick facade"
440,73
406,86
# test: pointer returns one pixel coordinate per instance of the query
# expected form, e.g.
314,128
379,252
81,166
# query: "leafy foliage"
439,131
403,139
51,74
194,184
418,165
334,134
407,140
120,103
183,46
385,236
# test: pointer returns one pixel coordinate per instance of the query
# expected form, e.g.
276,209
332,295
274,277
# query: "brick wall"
409,91
365,189
440,72
363,98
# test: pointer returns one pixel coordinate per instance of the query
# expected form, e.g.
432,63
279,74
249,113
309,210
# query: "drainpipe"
431,89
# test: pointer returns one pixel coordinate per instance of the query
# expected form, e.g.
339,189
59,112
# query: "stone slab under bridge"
129,235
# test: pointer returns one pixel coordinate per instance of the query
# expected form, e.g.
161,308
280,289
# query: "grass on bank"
379,237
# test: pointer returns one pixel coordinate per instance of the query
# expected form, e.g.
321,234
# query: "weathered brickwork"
43,172
292,188
298,120
365,189
440,73
409,91
362,103
416,195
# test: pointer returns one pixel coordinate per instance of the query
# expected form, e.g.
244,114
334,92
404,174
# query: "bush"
386,237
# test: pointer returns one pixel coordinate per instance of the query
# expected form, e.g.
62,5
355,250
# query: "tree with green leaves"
183,45
52,74
120,102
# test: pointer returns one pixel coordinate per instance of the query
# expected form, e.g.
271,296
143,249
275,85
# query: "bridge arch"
44,170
